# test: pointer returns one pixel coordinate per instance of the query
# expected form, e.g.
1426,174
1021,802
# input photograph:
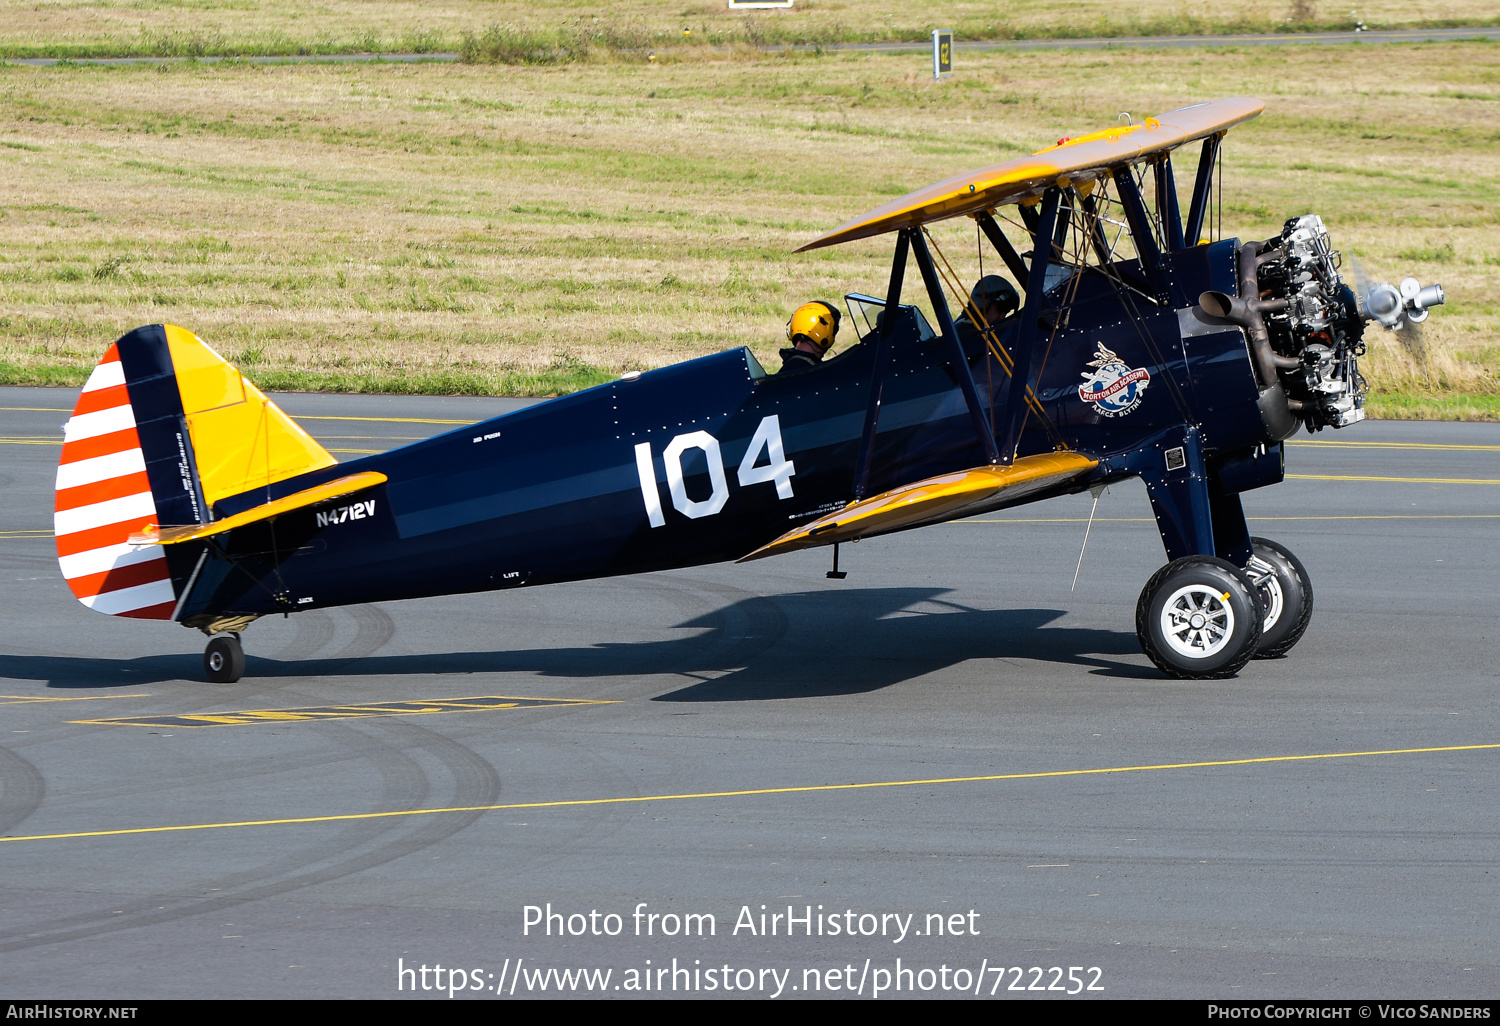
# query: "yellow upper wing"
1076,160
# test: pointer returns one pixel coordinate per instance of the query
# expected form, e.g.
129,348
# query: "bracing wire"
952,282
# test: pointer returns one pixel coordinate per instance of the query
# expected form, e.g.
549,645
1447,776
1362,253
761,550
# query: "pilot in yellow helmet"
811,332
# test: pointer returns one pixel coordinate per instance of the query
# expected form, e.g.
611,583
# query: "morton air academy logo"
1112,387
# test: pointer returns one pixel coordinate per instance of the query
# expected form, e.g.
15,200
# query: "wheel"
224,659
1198,618
1285,593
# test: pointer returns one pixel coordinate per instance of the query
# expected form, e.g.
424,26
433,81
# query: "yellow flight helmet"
818,322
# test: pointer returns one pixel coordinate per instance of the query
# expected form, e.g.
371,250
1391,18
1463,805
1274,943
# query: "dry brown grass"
289,26
417,221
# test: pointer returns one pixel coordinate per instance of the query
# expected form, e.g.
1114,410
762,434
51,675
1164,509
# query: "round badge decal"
1113,388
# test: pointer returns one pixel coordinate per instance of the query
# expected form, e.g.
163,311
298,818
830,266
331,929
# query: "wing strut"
882,360
1094,222
1002,246
1166,204
956,346
1026,331
1141,232
1193,230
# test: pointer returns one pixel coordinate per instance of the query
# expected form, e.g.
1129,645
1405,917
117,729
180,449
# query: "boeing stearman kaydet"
1145,347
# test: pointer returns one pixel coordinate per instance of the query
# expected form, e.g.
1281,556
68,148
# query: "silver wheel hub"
1271,596
1197,621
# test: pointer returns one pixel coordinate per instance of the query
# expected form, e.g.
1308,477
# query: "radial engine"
1306,326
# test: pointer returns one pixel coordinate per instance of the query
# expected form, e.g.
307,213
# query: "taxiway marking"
1394,480
805,789
1342,444
382,420
1152,520
427,707
30,699
389,420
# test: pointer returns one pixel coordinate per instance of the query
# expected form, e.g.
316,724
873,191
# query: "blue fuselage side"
560,491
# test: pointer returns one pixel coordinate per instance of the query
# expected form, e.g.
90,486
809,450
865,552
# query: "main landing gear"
1285,594
1203,618
224,659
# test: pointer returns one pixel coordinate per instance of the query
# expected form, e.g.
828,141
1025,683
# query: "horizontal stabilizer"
932,500
335,489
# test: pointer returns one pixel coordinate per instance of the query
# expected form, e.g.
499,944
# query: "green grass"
1425,406
559,380
554,31
535,229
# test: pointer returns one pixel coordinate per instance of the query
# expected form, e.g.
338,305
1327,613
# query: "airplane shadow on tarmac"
794,645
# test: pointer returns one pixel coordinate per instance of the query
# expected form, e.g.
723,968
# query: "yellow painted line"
1060,520
360,452
419,707
1395,480
381,420
30,440
1394,516
1340,444
806,789
394,420
1346,516
32,699
26,534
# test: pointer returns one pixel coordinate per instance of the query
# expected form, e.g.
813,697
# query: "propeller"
1400,309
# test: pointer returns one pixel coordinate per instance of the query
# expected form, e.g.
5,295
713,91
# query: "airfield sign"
942,53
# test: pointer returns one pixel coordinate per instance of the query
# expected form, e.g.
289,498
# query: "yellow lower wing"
932,500
335,489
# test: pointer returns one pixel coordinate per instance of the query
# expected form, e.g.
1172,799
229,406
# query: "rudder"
163,430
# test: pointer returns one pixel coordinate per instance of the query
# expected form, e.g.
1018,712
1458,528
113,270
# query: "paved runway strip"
805,789
948,729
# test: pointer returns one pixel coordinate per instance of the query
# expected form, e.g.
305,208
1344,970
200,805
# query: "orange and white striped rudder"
103,497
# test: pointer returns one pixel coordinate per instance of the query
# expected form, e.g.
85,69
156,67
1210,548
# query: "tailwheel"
1285,593
224,659
1199,618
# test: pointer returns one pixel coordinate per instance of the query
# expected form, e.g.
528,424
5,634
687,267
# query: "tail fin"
164,429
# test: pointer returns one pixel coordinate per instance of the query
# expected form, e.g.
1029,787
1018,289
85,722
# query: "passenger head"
814,325
995,297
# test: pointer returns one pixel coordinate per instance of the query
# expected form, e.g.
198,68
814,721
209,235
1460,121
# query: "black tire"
224,659
1195,588
1286,595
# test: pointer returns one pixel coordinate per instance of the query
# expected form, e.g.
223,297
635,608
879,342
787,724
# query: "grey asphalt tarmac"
951,652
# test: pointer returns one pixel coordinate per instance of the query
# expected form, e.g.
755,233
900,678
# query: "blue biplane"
1142,349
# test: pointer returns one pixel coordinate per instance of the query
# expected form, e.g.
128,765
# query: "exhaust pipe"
1279,412
1248,310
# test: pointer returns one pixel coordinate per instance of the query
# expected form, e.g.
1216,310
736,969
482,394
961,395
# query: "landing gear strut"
1199,618
224,659
1285,594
